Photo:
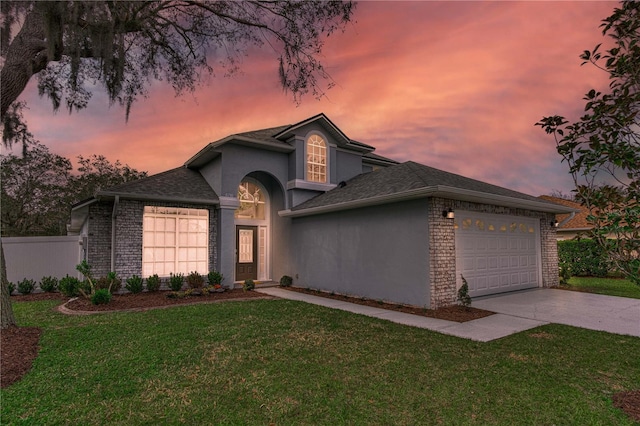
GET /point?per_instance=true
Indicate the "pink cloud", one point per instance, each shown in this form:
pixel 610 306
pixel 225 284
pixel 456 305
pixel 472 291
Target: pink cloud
pixel 454 85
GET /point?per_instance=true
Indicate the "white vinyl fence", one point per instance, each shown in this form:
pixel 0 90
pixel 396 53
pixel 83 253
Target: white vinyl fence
pixel 37 257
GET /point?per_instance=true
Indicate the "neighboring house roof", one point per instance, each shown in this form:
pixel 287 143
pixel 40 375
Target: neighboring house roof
pixel 178 185
pixel 576 221
pixel 412 180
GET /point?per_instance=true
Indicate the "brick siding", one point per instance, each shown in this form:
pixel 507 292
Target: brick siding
pixel 128 241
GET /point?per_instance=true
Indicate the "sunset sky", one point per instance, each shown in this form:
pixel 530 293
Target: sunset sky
pixel 453 85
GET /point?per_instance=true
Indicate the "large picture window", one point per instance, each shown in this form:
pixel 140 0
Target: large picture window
pixel 316 159
pixel 175 240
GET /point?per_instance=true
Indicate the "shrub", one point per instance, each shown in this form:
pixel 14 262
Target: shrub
pixel 69 286
pixel 111 282
pixel 11 287
pixel 248 285
pixel 583 258
pixel 175 281
pixel 565 274
pixel 215 278
pixel 49 284
pixel 286 281
pixel 463 293
pixel 26 286
pixel 101 297
pixel 195 280
pixel 134 284
pixel 153 283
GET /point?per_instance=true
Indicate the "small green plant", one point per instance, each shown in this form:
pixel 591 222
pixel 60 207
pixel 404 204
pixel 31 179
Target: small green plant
pixel 135 284
pixel 248 285
pixel 153 283
pixel 565 274
pixel 26 286
pixel 215 278
pixel 11 287
pixel 286 281
pixel 175 281
pixel 69 286
pixel 101 297
pixel 463 293
pixel 195 280
pixel 49 284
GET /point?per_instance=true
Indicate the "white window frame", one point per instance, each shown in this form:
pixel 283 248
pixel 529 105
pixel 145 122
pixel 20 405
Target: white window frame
pixel 311 158
pixel 187 250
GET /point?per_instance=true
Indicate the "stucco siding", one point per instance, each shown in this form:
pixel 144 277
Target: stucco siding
pixel 379 252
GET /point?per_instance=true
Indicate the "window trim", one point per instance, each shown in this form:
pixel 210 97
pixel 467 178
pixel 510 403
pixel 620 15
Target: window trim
pixel 176 213
pixel 326 164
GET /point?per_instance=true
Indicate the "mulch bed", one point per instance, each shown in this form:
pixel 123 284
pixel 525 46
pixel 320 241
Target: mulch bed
pixel 452 313
pixel 629 402
pixel 157 299
pixel 18 349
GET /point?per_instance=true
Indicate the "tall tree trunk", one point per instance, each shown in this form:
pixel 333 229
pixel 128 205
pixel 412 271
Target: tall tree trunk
pixel 26 56
pixel 7 319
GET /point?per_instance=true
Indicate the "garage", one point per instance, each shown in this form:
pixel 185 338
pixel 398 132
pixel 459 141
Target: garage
pixel 497 253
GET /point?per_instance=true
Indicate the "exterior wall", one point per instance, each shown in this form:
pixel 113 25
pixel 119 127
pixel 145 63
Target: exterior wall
pixel 442 246
pixel 99 241
pixel 37 257
pixel 128 241
pixel 442 255
pixel 378 252
pixel 349 165
pixel 225 175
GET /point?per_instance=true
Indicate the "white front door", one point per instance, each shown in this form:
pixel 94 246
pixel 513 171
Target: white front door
pixel 497 253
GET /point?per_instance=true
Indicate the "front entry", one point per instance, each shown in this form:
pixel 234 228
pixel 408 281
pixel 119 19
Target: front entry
pixel 247 253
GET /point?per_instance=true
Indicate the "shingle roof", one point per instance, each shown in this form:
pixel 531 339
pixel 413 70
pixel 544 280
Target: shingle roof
pixel 405 177
pixel 177 184
pixel 265 135
pixel 579 221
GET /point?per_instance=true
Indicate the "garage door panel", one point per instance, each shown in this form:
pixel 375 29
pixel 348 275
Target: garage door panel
pixel 497 253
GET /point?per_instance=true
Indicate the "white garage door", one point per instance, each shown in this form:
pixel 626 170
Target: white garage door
pixel 497 253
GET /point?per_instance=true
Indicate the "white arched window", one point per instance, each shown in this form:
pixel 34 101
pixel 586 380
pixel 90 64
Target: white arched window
pixel 316 159
pixel 252 201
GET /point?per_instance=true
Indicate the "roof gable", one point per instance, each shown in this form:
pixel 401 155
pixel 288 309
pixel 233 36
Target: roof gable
pixel 179 185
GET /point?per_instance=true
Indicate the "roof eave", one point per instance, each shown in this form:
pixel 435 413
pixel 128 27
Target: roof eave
pixel 432 191
pixel 211 151
pixel 109 195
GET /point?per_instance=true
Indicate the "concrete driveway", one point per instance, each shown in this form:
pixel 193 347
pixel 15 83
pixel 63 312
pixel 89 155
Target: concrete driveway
pixel 618 315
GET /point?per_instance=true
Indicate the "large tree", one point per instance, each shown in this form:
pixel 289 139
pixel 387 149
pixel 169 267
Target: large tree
pixel 38 188
pixel 602 148
pixel 72 46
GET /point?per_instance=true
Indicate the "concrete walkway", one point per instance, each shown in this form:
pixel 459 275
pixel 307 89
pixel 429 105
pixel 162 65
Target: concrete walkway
pixel 515 312
pixel 482 330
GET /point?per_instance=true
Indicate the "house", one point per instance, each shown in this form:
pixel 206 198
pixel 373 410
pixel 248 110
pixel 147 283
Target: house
pixel 570 225
pixel 307 201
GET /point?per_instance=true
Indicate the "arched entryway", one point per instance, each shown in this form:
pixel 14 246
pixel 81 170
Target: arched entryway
pixel 252 222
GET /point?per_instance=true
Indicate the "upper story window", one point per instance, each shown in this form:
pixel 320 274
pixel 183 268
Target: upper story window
pixel 316 159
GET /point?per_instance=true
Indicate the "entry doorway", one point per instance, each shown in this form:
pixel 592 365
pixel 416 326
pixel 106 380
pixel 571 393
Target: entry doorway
pixel 247 252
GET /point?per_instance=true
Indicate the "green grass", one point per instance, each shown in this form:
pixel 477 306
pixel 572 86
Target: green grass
pixel 290 363
pixel 608 286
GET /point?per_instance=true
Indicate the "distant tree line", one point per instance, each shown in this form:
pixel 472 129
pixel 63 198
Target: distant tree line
pixel 39 188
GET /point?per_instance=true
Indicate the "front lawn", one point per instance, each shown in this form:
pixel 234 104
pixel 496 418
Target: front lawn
pixel 290 363
pixel 608 286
